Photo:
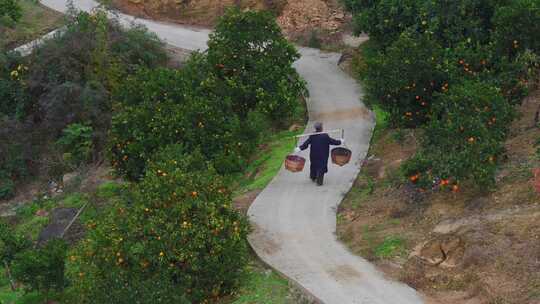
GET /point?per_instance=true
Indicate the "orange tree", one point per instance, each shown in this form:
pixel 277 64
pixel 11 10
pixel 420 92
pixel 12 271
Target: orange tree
pixel 162 106
pixel 516 27
pixel 176 228
pixel 449 21
pixel 383 20
pixel 403 78
pixel 425 55
pixel 253 62
pixel 221 100
pixel 464 139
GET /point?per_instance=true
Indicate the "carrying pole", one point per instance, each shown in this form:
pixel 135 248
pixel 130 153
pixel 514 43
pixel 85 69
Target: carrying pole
pixel 327 132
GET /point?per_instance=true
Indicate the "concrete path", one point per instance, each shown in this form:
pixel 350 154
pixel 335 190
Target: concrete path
pixel 294 221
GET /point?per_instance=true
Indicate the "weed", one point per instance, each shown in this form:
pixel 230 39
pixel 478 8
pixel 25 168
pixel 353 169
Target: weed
pixel 392 246
pixel 314 41
pixel 108 190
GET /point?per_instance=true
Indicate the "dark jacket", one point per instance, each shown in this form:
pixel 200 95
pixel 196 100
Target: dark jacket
pixel 320 150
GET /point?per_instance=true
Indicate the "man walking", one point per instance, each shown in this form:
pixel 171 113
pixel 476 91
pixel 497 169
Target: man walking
pixel 318 155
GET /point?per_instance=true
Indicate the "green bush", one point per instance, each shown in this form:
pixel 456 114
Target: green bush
pixel 7 186
pixel 177 224
pixel 403 79
pixel 10 9
pixel 66 80
pixel 13 94
pixel 12 168
pixel 11 243
pixel 253 62
pixel 465 139
pixel 42 269
pixel 76 143
pixel 538 148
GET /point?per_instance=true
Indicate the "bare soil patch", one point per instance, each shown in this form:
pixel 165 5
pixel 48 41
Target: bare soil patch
pixel 470 247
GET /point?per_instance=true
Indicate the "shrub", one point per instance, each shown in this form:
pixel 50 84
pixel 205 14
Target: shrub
pixel 464 139
pixel 177 224
pixel 66 80
pixel 7 186
pixel 12 168
pixel 11 244
pixel 253 62
pixel 538 148
pixel 76 143
pixel 10 9
pixel 42 269
pixel 314 40
pixel 403 79
pixel 13 94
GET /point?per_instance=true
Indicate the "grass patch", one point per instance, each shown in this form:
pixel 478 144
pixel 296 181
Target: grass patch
pixel 108 190
pixel 381 122
pixel 360 193
pixel 263 169
pixel 36 21
pixel 392 246
pixel 262 286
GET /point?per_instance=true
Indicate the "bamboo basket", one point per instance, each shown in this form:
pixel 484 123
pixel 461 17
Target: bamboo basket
pixel 341 156
pixel 294 163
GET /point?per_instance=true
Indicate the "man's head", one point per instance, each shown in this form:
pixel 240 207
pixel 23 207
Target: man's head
pixel 318 127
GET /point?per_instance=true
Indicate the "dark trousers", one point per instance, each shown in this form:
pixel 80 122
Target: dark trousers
pixel 317 176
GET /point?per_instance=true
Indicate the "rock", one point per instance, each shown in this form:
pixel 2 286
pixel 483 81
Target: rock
pixel 354 41
pixel 339 17
pixel 454 249
pixel 430 252
pixel 445 251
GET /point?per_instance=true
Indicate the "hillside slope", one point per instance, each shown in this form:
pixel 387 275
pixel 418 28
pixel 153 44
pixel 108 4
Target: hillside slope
pixel 459 247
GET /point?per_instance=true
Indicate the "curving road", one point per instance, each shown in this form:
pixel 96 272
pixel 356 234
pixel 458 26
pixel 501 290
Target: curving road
pixel 295 221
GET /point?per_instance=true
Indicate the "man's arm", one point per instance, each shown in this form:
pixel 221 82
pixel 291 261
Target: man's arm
pixel 306 144
pixel 334 142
